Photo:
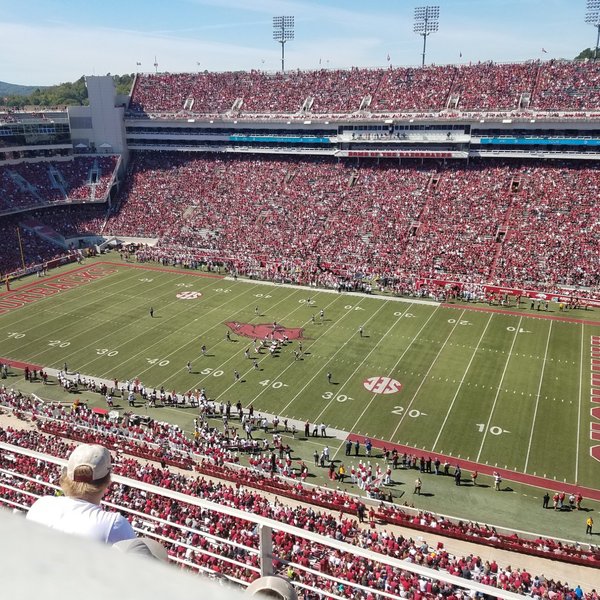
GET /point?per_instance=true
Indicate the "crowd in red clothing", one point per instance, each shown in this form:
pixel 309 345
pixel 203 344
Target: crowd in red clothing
pixel 481 87
pixel 36 250
pixel 32 184
pixel 199 535
pixel 322 222
pixel 214 453
pixel 319 221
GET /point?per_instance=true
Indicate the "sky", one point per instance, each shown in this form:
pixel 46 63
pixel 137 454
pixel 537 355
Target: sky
pixel 45 42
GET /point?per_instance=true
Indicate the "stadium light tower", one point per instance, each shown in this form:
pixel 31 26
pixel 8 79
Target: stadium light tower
pixel 427 22
pixel 592 15
pixel 283 31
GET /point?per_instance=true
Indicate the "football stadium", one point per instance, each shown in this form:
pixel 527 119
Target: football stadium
pixel 337 325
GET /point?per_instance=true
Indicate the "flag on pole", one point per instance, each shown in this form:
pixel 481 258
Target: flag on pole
pixel 544 51
pixel 388 57
pixel 460 55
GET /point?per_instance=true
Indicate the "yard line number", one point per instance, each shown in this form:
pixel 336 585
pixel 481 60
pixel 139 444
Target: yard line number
pixel 59 343
pixel 213 372
pixel 159 362
pixel 338 397
pixel 276 385
pixel 413 413
pixel 494 429
pixel 106 352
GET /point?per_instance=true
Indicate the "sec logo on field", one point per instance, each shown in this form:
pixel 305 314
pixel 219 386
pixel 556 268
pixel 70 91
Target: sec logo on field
pixel 382 385
pixel 189 295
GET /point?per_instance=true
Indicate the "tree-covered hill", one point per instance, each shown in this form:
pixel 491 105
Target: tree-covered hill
pixel 64 94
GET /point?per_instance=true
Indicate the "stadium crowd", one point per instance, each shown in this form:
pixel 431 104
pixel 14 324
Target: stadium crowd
pixel 319 221
pixel 322 222
pixel 36 250
pixel 216 454
pixel 33 184
pixel 482 87
pixel 199 535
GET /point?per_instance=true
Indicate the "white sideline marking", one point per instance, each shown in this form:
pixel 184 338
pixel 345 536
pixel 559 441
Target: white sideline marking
pixel 579 408
pixel 342 294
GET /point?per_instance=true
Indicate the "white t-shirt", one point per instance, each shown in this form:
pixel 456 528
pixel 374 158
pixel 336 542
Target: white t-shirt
pixel 81 518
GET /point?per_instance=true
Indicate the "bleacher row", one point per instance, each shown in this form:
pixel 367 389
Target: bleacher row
pixel 28 185
pixel 214 454
pixel 203 538
pixel 320 220
pixel 483 87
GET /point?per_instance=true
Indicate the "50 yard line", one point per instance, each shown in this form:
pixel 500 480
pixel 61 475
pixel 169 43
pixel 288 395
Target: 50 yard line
pixel 537 398
pixel 487 426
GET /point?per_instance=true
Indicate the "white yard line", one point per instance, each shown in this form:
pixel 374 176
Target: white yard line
pixel 261 357
pixel 579 408
pixel 487 427
pixel 83 293
pixel 537 399
pixel 246 309
pixel 309 381
pixel 85 332
pixel 163 309
pixel 407 408
pixel 391 371
pixel 185 326
pixel 460 384
pixel 362 362
pixel 94 343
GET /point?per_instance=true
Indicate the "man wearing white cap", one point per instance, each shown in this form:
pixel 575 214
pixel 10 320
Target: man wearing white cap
pixel 84 481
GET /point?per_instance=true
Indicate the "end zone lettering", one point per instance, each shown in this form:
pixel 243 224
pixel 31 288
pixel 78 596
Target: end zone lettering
pixel 51 286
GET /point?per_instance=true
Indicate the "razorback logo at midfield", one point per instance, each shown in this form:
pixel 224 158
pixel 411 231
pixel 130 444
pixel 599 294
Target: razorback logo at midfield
pixel 262 330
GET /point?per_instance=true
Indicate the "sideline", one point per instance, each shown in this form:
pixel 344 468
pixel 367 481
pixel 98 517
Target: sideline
pixel 343 436
pixel 514 313
pixel 318 290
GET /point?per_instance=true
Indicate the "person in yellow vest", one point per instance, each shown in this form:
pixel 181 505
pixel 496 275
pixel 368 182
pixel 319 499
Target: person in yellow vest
pixel 588 525
pixel 341 473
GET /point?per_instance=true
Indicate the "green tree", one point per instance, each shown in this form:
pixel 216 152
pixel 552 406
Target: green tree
pixel 64 94
pixel 587 53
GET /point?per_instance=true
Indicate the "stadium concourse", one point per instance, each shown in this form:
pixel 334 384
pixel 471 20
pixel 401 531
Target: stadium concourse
pixel 491 566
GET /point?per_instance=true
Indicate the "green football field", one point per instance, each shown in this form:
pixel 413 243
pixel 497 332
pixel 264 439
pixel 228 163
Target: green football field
pixel 504 389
